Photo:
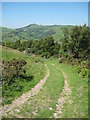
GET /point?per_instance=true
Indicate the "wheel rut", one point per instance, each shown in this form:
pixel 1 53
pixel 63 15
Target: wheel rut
pixel 24 97
pixel 64 96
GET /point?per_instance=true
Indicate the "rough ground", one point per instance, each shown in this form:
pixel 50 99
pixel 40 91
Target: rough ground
pixel 64 96
pixel 21 100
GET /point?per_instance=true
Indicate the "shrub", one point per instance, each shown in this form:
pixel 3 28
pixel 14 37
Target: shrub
pixel 84 72
pixel 84 64
pixel 46 55
pixel 79 69
pixel 12 69
pixel 61 60
pixel 38 60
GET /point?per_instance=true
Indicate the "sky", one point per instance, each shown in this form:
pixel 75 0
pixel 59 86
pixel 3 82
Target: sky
pixel 45 0
pixel 89 14
pixel 19 14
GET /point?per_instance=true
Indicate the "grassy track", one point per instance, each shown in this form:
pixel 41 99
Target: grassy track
pixel 78 108
pixel 47 97
pixel 43 105
pixel 54 86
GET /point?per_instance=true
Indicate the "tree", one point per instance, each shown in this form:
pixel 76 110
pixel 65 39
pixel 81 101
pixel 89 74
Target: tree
pixel 85 41
pixel 65 42
pixel 75 38
pixel 79 44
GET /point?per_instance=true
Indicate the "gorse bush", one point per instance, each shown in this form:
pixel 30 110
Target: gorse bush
pixel 12 73
pixel 12 70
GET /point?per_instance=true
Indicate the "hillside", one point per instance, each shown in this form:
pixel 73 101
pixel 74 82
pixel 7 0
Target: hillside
pixel 55 91
pixel 33 32
pixel 33 75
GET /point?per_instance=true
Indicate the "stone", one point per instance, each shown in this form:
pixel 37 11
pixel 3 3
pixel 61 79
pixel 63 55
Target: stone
pixel 50 108
pixel 55 115
pixel 17 110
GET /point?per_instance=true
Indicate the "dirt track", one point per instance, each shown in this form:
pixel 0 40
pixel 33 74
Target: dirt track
pixel 21 100
pixel 63 97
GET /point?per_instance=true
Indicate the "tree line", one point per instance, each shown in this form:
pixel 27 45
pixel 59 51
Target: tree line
pixel 74 44
pixel 44 47
pixel 77 43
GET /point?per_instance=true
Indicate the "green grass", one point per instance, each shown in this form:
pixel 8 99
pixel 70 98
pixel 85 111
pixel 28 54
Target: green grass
pixel 37 70
pixel 0 91
pixel 51 90
pixel 47 97
pixel 54 86
pixel 34 32
pixel 79 96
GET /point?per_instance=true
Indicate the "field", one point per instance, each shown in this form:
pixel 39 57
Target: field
pixel 45 103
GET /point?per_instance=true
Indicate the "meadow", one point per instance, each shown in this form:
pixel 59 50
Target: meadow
pixel 44 103
pixel 45 78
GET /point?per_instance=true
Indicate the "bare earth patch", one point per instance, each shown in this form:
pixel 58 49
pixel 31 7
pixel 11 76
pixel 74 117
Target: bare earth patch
pixel 64 96
pixel 21 100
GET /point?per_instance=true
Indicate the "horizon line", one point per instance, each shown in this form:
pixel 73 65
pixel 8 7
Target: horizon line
pixel 43 25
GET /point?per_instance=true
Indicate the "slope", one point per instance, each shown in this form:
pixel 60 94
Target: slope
pixel 35 68
pixel 33 32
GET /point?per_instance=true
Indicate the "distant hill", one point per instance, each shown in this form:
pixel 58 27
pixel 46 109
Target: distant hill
pixel 34 32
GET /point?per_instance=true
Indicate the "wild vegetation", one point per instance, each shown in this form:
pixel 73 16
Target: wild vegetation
pixel 33 32
pixel 43 105
pixel 24 66
pixel 74 48
pixel 18 73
